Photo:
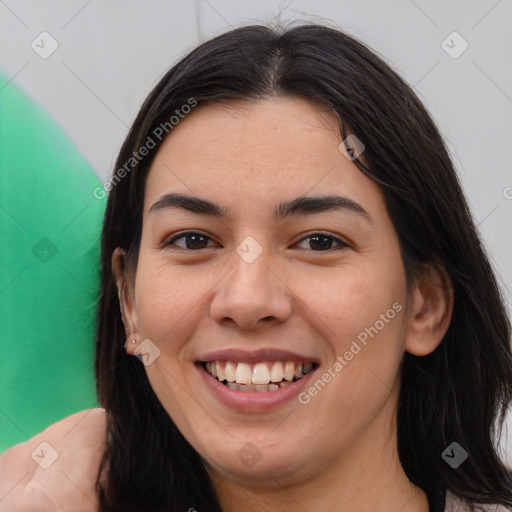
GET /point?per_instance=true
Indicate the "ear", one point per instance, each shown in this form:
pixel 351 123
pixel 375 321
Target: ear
pixel 125 292
pixel 430 311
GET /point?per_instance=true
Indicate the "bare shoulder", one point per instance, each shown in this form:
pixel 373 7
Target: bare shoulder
pixel 55 470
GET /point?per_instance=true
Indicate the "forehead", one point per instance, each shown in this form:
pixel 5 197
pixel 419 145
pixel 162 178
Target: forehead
pixel 256 151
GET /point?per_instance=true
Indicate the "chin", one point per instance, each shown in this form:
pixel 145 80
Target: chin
pixel 249 462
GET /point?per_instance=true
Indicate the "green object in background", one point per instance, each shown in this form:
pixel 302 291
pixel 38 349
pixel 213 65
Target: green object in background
pixel 50 225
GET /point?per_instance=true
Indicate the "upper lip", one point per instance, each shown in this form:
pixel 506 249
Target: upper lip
pixel 255 356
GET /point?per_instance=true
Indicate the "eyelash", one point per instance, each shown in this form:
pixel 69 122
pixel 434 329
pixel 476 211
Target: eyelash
pixel 184 234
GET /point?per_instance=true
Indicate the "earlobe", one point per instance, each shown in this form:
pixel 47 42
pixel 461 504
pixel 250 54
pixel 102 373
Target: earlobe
pixel 130 346
pixel 430 312
pixel 126 302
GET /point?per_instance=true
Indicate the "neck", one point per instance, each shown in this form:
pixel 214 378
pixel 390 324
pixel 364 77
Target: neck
pixel 368 476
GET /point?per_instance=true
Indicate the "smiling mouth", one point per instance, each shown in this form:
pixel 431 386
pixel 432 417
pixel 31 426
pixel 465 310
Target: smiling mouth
pixel 260 377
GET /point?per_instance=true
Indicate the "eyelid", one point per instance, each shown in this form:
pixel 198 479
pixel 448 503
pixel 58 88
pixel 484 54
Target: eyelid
pixel 182 234
pixel 342 244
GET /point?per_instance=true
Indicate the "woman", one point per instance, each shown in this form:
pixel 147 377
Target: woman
pixel 296 309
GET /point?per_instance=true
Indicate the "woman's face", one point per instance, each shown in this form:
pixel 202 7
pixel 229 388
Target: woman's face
pixel 271 283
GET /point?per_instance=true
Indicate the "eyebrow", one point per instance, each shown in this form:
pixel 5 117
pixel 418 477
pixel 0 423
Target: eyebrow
pixel 303 205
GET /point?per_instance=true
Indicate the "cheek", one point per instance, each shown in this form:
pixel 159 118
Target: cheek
pixel 172 301
pixel 360 313
pixel 350 299
pixel 165 300
pixel 362 317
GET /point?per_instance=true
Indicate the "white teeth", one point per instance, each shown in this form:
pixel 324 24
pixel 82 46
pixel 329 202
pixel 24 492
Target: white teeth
pixel 229 371
pixel 260 374
pixel 289 371
pixel 276 372
pixel 220 372
pixel 243 374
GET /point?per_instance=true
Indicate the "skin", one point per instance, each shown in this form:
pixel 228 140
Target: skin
pixel 68 482
pixel 337 452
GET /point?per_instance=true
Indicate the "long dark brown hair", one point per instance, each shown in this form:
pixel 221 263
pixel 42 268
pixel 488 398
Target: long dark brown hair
pixel 460 392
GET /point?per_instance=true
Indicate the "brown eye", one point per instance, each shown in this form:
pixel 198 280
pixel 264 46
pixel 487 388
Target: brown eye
pixel 193 240
pixel 322 242
pixel 318 242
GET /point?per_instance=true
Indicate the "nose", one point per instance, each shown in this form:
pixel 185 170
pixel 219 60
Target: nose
pixel 252 294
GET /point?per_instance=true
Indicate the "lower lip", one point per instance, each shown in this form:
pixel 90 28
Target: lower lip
pixel 254 401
